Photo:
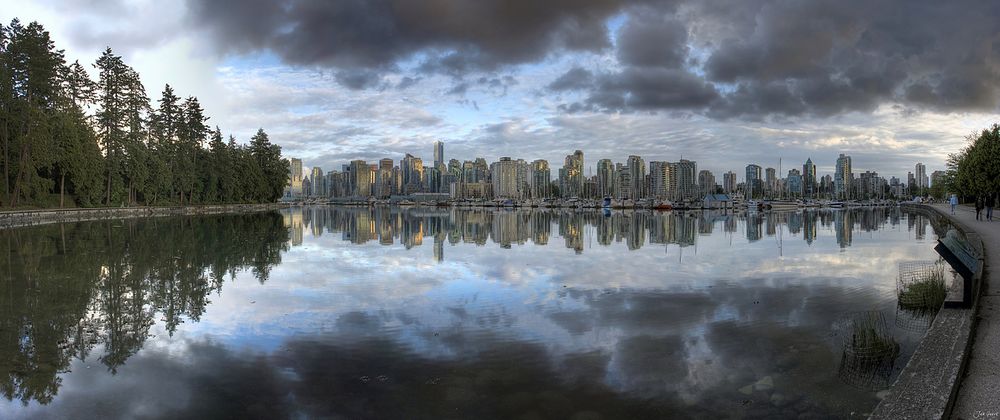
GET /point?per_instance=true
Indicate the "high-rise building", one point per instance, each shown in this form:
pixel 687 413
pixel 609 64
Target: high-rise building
pixel 686 174
pixel 413 174
pixel 295 177
pixel 637 178
pixel 753 181
pixel 921 175
pixel 360 178
pixel 438 153
pixel 793 183
pixel 936 177
pixel 842 177
pixel 571 175
pixel 660 181
pixel 505 179
pixel 729 182
pixel 770 180
pixel 606 178
pixel 317 183
pixel 540 179
pixel 809 178
pixel 706 181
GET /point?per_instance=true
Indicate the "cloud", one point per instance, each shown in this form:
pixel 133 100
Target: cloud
pixel 451 35
pixel 753 60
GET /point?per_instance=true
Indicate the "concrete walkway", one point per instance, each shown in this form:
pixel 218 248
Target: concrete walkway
pixel 979 392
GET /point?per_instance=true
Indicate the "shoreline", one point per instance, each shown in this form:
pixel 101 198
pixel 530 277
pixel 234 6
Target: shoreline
pixel 24 218
pixel 928 385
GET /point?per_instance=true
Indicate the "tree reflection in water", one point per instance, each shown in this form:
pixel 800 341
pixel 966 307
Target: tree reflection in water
pixel 68 289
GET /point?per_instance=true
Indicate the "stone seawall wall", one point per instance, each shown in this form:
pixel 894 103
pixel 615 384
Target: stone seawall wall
pixel 13 219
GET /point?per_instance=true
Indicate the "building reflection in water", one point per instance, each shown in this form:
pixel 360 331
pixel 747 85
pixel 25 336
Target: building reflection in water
pixel 580 229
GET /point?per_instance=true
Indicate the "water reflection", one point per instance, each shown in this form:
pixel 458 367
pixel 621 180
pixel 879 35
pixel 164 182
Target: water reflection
pixel 68 289
pixel 344 312
pixel 411 226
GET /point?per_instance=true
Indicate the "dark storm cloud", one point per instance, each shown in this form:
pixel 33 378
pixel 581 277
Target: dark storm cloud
pixel 650 88
pixel 749 59
pixel 454 36
pixel 830 57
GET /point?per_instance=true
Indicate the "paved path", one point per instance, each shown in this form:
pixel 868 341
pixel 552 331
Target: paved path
pixel 979 392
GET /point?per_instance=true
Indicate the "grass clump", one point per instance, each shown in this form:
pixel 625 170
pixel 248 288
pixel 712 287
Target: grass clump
pixel 927 293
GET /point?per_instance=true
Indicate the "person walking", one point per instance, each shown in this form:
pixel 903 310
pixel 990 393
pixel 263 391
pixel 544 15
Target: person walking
pixel 979 206
pixel 991 200
pixel 954 202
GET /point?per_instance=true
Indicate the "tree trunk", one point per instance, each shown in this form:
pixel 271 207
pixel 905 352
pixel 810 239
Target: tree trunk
pixel 6 165
pixel 107 201
pixel 62 189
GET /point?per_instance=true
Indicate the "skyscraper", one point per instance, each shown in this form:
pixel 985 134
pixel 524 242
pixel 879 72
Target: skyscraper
pixel 295 177
pixel 770 179
pixel 540 179
pixel 753 181
pixel 637 178
pixel 505 179
pixel 921 175
pixel 660 182
pixel 842 177
pixel 316 180
pixel 438 153
pixel 706 181
pixel 794 183
pixel 686 175
pixel 606 178
pixel 808 178
pixel 571 175
pixel 729 182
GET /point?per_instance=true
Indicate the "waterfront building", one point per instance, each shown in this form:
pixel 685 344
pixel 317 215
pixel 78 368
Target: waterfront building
pixel 660 180
pixel 360 179
pixel 842 177
pixel 685 172
pixel 482 170
pixel 770 180
pixel 936 177
pixel 793 183
pixel 729 182
pixel 540 179
pixel 413 174
pixel 826 185
pixel 571 175
pixel 754 183
pixel 706 182
pixel 505 179
pixel 317 183
pixel 606 178
pixel 637 178
pixel 295 177
pixel 920 173
pixel 438 153
pixel 809 178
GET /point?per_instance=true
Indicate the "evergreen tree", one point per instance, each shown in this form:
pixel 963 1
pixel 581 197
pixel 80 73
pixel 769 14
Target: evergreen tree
pixel 65 135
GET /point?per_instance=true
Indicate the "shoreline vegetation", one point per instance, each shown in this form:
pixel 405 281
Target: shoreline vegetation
pixel 67 140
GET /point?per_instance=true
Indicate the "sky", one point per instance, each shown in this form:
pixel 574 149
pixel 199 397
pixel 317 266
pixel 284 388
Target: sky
pixel 724 83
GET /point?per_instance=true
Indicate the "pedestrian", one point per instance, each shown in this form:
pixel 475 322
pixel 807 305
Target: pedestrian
pixel 954 202
pixel 991 200
pixel 979 206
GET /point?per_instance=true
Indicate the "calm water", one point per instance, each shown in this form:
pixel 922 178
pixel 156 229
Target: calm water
pixel 440 313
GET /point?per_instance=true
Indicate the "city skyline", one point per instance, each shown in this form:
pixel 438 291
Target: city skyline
pixel 710 84
pixel 517 178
